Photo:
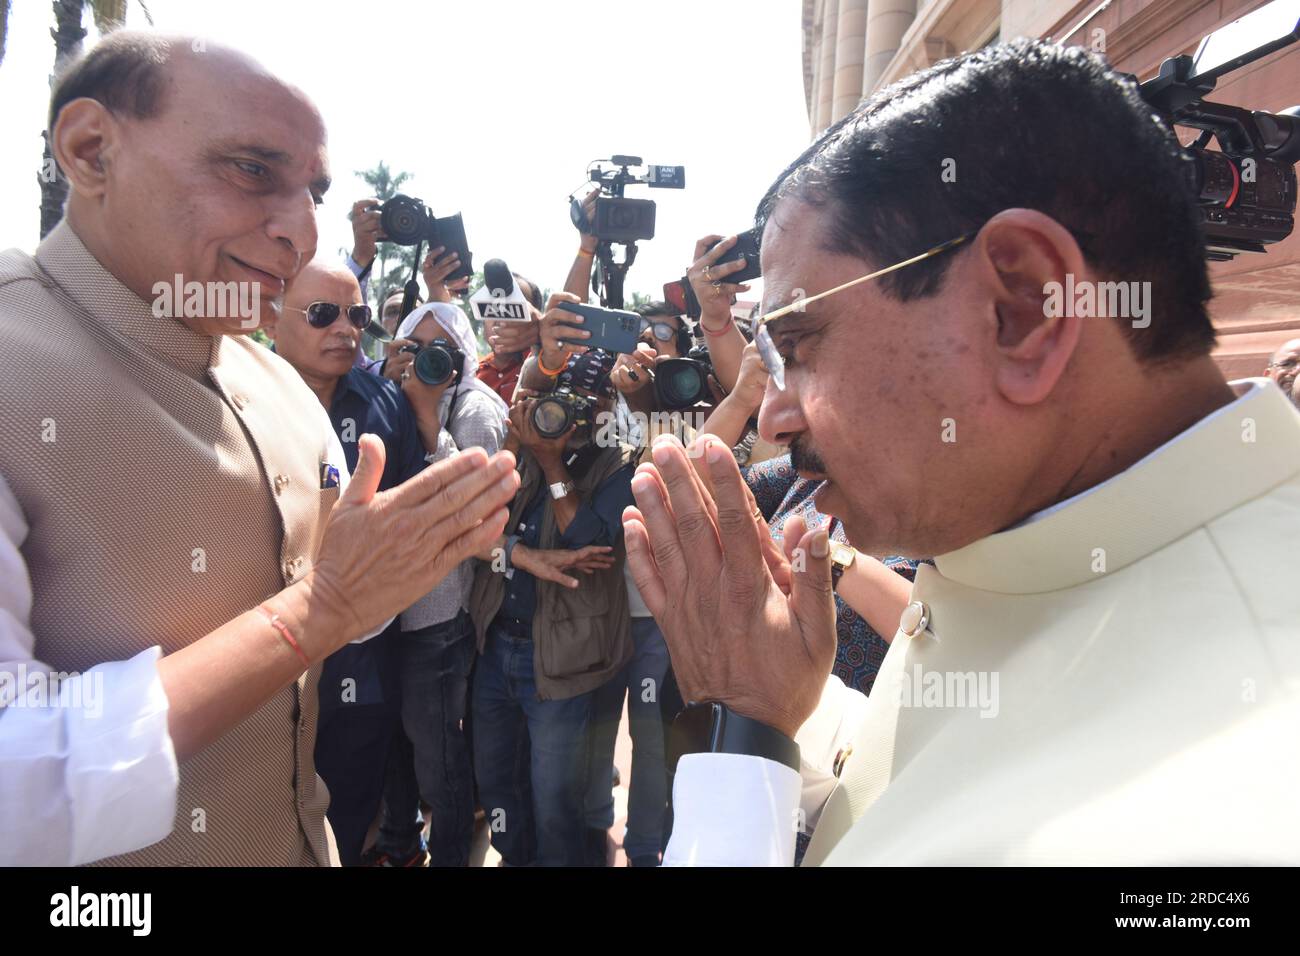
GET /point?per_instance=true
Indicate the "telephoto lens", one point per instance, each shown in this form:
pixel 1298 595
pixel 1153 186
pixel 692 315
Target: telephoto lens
pixel 681 383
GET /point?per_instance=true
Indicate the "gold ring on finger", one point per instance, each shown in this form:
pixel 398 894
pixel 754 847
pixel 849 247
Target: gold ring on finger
pixel 707 276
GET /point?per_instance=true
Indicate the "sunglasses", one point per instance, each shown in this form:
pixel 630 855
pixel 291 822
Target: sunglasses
pixel 321 315
pixel 767 349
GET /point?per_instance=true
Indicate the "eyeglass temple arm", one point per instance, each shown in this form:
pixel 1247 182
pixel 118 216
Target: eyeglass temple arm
pixel 800 304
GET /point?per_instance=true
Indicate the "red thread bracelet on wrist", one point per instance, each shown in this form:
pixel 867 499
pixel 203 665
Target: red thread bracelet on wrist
pixel 283 629
pixel 709 331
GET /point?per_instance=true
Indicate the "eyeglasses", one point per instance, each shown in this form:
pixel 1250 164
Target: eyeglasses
pixel 321 315
pixel 663 331
pixel 767 350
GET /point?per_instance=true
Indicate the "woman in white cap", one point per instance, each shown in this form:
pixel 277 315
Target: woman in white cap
pixel 430 761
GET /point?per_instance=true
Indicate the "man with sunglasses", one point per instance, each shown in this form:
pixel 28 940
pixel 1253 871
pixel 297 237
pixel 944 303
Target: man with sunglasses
pixel 318 334
pixel 1104 655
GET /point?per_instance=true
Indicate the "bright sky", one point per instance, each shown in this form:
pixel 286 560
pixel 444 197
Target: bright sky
pixel 495 106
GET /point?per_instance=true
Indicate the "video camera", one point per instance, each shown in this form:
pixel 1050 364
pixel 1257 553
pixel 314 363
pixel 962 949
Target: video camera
pixel 619 219
pixel 1247 189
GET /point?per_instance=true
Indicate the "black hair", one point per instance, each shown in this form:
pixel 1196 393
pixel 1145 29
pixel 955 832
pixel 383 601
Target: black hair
pixel 536 296
pixel 657 309
pixel 125 72
pixel 1024 124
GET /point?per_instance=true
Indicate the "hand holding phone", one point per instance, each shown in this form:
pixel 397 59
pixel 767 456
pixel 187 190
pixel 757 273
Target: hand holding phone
pixel 613 330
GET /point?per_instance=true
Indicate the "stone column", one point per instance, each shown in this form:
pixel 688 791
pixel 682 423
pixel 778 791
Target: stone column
pixel 887 21
pixel 826 75
pixel 850 53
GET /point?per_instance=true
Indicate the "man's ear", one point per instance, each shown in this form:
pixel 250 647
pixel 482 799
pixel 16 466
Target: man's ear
pixel 1021 253
pixel 84 140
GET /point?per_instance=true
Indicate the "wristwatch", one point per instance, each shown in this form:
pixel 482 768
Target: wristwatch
pixel 712 728
pixel 561 489
pixel 842 556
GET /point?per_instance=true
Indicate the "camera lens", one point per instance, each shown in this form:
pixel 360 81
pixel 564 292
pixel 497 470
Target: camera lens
pixel 433 365
pixel 551 417
pixel 680 383
pixel 403 220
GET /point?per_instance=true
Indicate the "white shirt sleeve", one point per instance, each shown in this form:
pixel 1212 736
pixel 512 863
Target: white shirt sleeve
pixel 737 810
pixel 87 770
pixel 733 810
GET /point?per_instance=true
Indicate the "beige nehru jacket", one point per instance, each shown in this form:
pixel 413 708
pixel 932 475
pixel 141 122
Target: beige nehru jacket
pixel 181 487
pixel 1145 643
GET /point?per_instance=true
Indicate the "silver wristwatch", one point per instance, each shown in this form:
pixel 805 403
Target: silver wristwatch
pixel 561 489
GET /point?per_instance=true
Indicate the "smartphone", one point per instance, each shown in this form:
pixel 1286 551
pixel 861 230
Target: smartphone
pixel 681 297
pixel 451 235
pixel 746 248
pixel 611 329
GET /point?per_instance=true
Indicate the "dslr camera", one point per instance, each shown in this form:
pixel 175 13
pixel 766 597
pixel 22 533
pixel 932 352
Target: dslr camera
pixel 408 222
pixel 619 219
pixel 682 383
pixel 579 388
pixel 436 362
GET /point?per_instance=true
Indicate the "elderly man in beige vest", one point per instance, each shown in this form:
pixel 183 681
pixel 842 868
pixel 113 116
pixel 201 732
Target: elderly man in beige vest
pixel 1103 665
pixel 179 542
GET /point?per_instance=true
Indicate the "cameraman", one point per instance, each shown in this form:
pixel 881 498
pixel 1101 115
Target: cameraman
pixel 390 315
pixel 642 680
pixel 435 649
pixel 546 648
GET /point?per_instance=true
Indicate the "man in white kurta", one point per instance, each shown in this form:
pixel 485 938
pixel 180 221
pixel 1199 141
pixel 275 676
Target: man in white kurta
pixel 1103 664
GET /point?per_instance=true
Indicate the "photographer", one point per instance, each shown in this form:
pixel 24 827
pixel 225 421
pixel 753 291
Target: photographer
pixel 435 647
pixel 545 648
pixel 390 315
pixel 435 269
pixel 642 681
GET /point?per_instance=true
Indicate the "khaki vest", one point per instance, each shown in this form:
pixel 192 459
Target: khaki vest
pixel 583 637
pixel 171 482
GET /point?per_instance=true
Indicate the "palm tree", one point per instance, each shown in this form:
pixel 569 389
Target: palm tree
pixel 4 27
pixel 68 33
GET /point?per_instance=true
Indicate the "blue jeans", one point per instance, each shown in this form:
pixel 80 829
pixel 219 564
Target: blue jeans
pixel 430 758
pixel 642 680
pixel 529 758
